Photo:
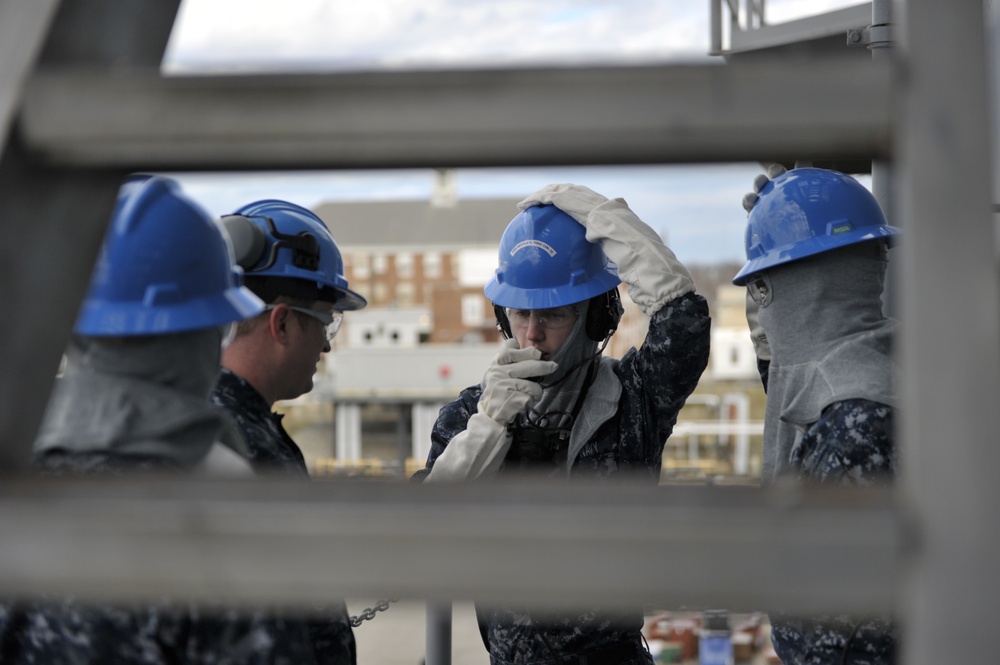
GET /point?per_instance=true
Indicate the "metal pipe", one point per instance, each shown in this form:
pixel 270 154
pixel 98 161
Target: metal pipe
pixel 740 403
pixel 881 170
pixel 438 633
pixel 715 27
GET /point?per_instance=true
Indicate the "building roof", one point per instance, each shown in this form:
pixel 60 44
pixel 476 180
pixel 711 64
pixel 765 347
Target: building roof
pixel 419 223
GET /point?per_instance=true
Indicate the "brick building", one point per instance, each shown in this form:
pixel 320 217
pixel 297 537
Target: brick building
pixel 429 257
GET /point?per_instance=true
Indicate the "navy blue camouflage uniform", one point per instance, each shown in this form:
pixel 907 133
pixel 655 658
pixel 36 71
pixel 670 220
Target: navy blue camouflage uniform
pixel 824 345
pixel 850 445
pixel 66 632
pixel 656 380
pixel 271 450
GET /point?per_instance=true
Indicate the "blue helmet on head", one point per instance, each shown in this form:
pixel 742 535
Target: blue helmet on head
pixel 546 261
pixel 165 267
pixel 278 239
pixel 807 211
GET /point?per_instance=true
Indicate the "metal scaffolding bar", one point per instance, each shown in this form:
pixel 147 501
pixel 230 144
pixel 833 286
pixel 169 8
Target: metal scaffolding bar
pixel 951 333
pixel 534 544
pixel 476 118
pixel 928 550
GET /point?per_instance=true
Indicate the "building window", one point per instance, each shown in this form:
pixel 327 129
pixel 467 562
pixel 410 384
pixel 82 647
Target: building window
pixel 404 294
pixel 472 310
pixel 404 265
pixel 380 263
pixel 432 265
pixel 359 266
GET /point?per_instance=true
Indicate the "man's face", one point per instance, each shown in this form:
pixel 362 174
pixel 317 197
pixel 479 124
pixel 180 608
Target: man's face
pixel 312 330
pixel 544 329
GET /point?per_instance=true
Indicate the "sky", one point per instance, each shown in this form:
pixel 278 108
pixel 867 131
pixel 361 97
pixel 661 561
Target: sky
pixel 696 208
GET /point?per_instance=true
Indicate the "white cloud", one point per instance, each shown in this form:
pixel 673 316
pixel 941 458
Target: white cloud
pixel 339 34
pixel 245 35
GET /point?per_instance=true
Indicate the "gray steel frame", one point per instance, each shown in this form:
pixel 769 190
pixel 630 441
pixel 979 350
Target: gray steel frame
pixel 928 549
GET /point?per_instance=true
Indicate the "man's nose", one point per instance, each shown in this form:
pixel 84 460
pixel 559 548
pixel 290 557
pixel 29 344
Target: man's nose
pixel 535 328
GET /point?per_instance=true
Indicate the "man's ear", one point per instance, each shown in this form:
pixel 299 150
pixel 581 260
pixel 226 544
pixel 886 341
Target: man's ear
pixel 277 323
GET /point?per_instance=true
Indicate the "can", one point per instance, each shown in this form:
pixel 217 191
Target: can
pixel 715 645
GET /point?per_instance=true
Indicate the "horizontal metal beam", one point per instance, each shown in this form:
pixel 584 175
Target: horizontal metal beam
pixel 760 111
pixel 830 24
pixel 543 545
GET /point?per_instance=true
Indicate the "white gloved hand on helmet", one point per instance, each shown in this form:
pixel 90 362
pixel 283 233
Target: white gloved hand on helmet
pixel 774 169
pixel 750 198
pixel 508 390
pixel 652 272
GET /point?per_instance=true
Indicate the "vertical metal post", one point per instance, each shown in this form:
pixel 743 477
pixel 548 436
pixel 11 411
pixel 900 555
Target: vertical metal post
pixel 715 27
pixel 438 633
pixel 950 341
pixel 348 432
pixel 57 215
pixel 881 170
pixel 738 405
pixel 880 50
pixel 403 433
pixel 57 220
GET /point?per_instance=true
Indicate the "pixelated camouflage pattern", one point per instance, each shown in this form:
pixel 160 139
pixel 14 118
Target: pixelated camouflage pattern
pixel 62 631
pixel 656 380
pixel 69 633
pixel 833 640
pixel 850 445
pixel 271 449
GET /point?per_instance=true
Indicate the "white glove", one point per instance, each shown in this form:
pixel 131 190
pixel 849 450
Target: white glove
pixel 507 390
pixel 773 171
pixel 479 450
pixel 750 198
pixel 652 272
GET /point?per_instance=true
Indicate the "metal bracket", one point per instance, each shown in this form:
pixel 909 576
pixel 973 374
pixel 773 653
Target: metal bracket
pixel 874 36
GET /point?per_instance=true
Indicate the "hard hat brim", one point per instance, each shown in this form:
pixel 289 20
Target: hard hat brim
pixel 506 295
pixel 104 319
pixel 798 251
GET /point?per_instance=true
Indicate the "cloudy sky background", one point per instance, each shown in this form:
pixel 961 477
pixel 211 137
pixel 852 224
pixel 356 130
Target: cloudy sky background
pixel 696 208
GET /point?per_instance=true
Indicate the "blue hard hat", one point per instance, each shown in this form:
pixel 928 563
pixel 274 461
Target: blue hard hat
pixel 546 261
pixel 807 211
pixel 165 267
pixel 279 239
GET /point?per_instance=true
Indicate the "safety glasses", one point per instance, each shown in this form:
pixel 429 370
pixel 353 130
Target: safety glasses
pixel 329 320
pixel 549 319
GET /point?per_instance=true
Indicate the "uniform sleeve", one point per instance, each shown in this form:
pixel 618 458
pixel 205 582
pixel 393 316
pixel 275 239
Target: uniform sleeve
pixel 851 444
pixel 668 366
pixel 452 419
